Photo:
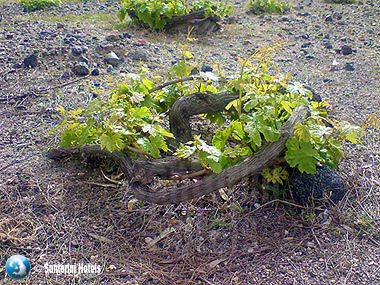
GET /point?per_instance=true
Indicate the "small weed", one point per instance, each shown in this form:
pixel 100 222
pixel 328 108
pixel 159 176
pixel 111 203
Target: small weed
pixel 33 5
pixel 5 2
pixel 341 1
pixel 238 208
pixel 310 215
pixel 291 212
pixel 98 17
pixel 218 222
pixel 363 223
pixel 268 6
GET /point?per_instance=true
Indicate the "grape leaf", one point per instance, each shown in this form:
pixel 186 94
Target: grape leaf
pixel 215 166
pixel 180 68
pixel 302 154
pixel 249 105
pixel 269 132
pixel 217 118
pixel 160 23
pixel 141 112
pixel 185 151
pixel 288 106
pixel 111 142
pixel 253 133
pixel 238 131
pixel 220 138
pixel 302 132
pixel 87 132
pixel 352 133
pixel 159 142
pixel 68 138
pixel 76 112
pixel 155 144
pixel 188 54
pixel 163 131
pixel 149 84
pixel 211 89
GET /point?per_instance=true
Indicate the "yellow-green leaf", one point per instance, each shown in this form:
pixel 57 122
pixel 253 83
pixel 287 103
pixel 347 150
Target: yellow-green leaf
pixel 111 142
pixel 188 54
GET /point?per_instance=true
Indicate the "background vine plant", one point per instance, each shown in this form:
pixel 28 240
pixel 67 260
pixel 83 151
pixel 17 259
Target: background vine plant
pixel 155 13
pixel 268 6
pixel 33 5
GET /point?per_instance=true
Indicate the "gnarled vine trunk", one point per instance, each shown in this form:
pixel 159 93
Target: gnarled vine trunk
pixel 195 104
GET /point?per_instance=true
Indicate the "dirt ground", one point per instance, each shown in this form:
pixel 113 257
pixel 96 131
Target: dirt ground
pixel 68 213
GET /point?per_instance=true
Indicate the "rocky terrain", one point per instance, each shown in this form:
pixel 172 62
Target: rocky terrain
pixel 69 213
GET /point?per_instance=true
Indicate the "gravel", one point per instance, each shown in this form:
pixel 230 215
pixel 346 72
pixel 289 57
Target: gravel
pixel 66 214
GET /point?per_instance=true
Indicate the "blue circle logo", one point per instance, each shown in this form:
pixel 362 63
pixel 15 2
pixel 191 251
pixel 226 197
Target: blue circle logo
pixel 18 266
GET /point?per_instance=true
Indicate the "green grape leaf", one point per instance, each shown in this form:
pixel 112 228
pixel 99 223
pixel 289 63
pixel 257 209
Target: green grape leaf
pixel 269 132
pixel 350 132
pixel 146 17
pixel 302 131
pixel 68 138
pixel 220 138
pixel 141 112
pixel 237 151
pixel 188 54
pixel 149 84
pixel 238 131
pixel 157 143
pixel 233 103
pixel 335 147
pixel 87 132
pixel 162 131
pixel 185 151
pixel 330 157
pixel 61 109
pixel 302 154
pixel 202 156
pixel 253 133
pixel 331 153
pixel 226 161
pixel 152 145
pixel 250 104
pixel 180 69
pixel 211 89
pixel 289 106
pixel 215 166
pixel 121 14
pixel 111 142
pixel 76 112
pixel 217 118
pixel 160 23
